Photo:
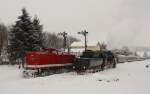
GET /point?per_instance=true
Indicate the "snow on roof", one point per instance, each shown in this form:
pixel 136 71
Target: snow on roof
pixel 77 50
pixel 77 44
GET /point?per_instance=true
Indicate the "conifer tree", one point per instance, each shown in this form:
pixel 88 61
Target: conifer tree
pixel 25 35
pixel 19 35
pixel 37 36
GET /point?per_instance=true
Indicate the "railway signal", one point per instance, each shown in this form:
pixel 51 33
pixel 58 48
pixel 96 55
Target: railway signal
pixel 84 33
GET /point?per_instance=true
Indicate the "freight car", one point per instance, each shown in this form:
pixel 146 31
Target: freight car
pixel 91 61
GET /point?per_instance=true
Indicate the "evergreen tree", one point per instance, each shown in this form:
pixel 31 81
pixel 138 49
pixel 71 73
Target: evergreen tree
pixel 19 35
pixel 3 36
pixel 36 38
pixel 25 36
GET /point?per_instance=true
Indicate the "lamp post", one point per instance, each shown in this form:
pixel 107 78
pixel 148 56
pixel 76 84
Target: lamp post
pixel 84 33
pixel 64 35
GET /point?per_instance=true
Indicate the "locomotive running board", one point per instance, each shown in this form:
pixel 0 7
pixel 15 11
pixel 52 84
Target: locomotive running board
pixel 48 65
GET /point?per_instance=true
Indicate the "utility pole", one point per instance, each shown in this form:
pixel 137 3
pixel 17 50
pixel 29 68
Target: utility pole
pixel 84 33
pixel 64 35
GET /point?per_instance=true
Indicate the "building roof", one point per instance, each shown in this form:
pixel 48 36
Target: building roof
pixel 81 44
pixel 77 44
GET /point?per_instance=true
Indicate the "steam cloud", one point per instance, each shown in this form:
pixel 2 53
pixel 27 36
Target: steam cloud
pixel 131 24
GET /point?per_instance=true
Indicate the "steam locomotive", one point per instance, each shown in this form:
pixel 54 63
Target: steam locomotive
pixel 52 61
pixel 94 61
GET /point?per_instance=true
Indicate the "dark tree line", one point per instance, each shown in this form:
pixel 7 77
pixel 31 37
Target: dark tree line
pixel 3 36
pixel 53 40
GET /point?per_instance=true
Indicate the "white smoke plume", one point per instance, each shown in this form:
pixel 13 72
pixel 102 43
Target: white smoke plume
pixel 131 24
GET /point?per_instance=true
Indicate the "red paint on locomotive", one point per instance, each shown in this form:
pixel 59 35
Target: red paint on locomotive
pixel 48 58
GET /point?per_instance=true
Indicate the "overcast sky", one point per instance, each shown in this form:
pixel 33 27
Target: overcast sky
pixel 118 22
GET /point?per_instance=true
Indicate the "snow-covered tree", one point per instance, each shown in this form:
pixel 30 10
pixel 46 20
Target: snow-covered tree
pixel 3 36
pixel 25 36
pixel 19 36
pixel 52 40
pixel 35 38
pixel 103 46
pixel 125 50
pixel 72 39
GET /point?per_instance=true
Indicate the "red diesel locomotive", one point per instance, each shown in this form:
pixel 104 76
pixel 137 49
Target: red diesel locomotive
pixel 47 61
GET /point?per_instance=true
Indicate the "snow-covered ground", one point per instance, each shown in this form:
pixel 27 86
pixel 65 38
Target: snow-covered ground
pixel 127 78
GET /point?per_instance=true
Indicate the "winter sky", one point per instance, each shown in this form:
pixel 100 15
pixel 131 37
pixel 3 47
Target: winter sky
pixel 119 22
